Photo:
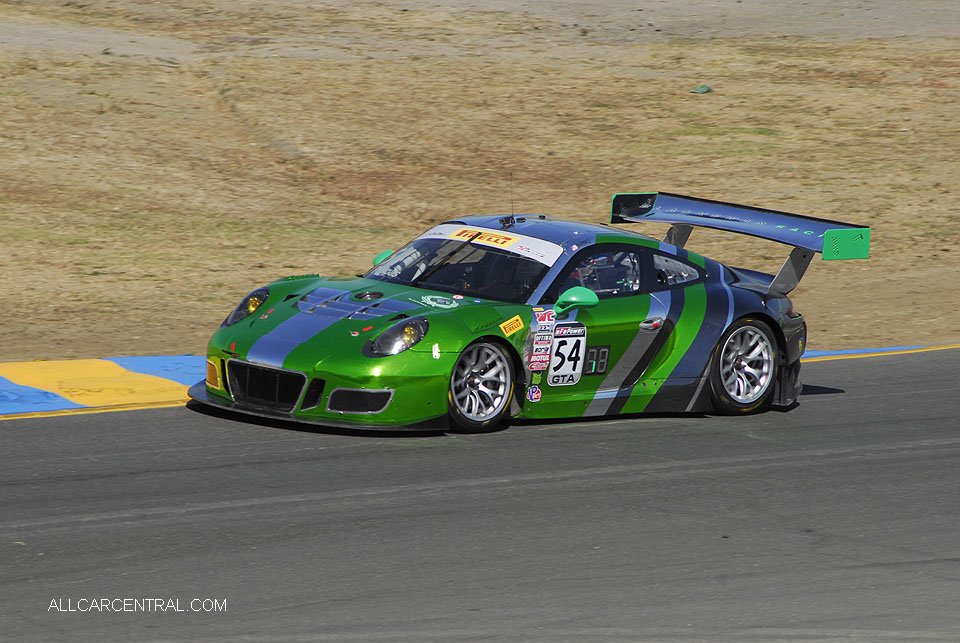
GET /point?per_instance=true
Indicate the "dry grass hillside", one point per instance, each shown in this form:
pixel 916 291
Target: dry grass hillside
pixel 158 161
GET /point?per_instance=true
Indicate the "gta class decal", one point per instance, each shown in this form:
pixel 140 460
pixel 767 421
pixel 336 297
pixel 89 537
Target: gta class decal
pixel 568 352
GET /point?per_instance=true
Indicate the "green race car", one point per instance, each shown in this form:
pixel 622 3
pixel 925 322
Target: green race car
pixel 485 318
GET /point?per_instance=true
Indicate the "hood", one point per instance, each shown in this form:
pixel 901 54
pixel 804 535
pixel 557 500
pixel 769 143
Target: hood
pixel 309 307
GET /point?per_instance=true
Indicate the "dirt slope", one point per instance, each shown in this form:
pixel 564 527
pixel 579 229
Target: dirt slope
pixel 158 161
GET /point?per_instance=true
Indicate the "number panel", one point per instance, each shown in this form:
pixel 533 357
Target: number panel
pixel 567 354
pixel 598 357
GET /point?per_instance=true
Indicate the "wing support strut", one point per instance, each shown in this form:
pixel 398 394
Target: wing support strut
pixel 678 234
pixel 791 272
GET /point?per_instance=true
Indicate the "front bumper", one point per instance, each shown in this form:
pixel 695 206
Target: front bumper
pixel 199 393
pixel 404 390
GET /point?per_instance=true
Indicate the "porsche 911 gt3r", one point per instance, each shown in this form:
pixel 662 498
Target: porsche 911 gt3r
pixel 485 318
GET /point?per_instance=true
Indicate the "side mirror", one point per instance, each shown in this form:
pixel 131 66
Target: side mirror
pixel 576 297
pixel 383 256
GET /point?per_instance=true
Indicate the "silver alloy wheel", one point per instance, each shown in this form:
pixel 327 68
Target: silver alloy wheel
pixel 746 364
pixel 480 383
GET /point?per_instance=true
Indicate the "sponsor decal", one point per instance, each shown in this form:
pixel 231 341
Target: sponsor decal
pixel 530 251
pixel 546 316
pixel 436 351
pixel 512 325
pixel 264 315
pixel 567 353
pixel 533 393
pixel 485 237
pixel 435 301
pixel 354 333
pixel 458 297
pixel 535 378
pixel 539 250
pixel 541 328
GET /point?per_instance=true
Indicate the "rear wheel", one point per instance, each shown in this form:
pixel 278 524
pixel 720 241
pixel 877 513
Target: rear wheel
pixel 481 387
pixel 743 371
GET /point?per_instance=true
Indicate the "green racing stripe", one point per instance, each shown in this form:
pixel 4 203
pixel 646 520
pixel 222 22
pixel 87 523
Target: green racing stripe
pixel 688 326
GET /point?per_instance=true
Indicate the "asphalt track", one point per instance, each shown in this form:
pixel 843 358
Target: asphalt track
pixel 837 520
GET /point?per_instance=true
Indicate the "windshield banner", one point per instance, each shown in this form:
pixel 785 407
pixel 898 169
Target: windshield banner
pixel 545 252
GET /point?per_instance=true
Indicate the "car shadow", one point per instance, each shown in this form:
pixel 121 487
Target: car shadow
pixel 810 389
pixel 602 418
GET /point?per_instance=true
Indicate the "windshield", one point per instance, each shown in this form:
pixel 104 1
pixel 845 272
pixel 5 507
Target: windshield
pixel 462 268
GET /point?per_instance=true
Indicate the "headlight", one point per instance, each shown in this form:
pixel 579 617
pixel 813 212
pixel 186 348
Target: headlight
pixel 246 308
pixel 400 336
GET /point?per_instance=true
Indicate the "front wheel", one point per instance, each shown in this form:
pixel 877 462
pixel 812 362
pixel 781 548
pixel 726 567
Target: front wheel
pixel 481 387
pixel 743 371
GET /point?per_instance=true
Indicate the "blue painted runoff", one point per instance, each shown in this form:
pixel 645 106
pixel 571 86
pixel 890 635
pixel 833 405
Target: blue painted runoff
pixel 15 398
pixel 183 369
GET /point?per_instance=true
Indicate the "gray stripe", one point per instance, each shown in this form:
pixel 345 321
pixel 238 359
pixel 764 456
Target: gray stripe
pixel 615 376
pixel 696 395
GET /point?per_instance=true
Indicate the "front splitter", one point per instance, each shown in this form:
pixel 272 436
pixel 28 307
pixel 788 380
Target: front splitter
pixel 198 392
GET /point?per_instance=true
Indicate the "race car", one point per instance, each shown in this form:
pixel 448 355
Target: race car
pixel 486 318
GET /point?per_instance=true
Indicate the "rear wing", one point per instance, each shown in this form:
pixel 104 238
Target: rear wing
pixel 807 235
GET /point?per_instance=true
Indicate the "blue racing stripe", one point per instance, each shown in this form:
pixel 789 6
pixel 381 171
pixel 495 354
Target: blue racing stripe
pixel 273 348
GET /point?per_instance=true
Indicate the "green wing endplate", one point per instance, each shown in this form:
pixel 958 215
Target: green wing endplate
pixel 846 243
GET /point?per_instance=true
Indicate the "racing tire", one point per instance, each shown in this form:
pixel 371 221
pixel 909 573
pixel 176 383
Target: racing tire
pixel 744 368
pixel 481 388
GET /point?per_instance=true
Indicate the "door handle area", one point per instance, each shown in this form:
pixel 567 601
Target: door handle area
pixel 653 323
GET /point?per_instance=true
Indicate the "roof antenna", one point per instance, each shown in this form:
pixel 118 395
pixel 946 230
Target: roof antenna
pixel 509 222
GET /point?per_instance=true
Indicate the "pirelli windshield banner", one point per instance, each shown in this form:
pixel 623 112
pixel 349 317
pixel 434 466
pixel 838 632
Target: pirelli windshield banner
pixel 545 252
